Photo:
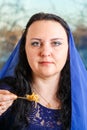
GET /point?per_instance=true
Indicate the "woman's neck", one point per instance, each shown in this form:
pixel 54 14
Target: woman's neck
pixel 47 87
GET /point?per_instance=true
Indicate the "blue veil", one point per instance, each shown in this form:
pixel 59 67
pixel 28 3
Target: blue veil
pixel 78 83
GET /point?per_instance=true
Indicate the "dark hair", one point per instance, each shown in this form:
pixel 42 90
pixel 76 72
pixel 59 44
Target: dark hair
pixel 24 79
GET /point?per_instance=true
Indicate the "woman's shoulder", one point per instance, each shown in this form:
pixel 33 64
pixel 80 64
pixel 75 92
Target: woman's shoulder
pixel 7 83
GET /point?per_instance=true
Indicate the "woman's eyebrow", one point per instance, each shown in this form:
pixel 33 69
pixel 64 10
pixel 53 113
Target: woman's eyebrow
pixel 56 39
pixel 36 39
pixel 39 39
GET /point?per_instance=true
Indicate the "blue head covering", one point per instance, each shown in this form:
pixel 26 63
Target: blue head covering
pixel 8 68
pixel 78 89
pixel 78 83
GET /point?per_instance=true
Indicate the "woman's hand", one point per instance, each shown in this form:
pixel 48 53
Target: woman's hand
pixel 6 100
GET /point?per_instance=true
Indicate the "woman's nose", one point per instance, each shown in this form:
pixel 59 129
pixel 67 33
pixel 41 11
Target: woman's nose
pixel 46 50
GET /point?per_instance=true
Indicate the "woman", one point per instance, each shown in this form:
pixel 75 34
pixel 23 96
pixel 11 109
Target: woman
pixel 44 63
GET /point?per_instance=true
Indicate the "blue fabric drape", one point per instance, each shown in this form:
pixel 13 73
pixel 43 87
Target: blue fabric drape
pixel 9 67
pixel 78 83
pixel 79 89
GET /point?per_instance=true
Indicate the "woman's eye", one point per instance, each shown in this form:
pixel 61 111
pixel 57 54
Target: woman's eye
pixel 35 44
pixel 56 43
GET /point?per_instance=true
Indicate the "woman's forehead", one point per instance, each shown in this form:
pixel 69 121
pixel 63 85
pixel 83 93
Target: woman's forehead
pixel 47 28
pixel 46 23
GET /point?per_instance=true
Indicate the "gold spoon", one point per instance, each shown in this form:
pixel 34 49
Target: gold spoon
pixel 32 97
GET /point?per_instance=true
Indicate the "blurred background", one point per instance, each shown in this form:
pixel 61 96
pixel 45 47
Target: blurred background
pixel 14 15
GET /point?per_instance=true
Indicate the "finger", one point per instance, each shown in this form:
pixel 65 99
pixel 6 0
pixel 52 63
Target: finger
pixel 8 102
pixel 4 91
pixel 6 97
pixel 2 111
pixel 5 106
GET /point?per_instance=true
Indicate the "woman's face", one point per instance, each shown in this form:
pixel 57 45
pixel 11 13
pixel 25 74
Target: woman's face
pixel 46 48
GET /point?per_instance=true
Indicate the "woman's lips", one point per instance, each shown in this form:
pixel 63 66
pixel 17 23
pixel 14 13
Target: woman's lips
pixel 45 62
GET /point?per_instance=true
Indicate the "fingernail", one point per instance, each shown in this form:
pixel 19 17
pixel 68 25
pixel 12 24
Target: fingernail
pixel 15 96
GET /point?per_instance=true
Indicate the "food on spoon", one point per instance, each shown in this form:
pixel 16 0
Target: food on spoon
pixel 32 97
